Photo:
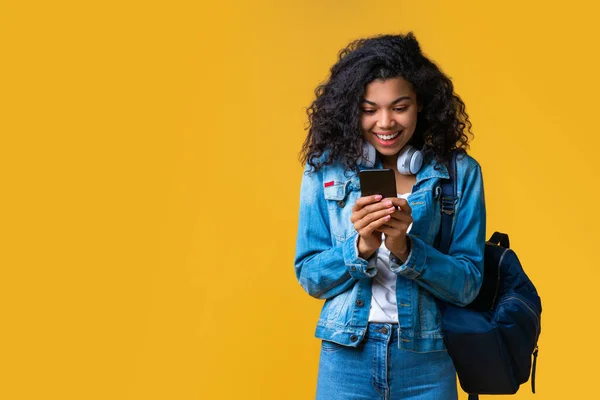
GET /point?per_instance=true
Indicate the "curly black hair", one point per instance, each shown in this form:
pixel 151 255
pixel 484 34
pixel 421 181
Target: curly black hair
pixel 334 116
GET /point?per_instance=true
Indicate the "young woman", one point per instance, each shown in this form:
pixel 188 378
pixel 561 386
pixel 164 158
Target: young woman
pixel 373 260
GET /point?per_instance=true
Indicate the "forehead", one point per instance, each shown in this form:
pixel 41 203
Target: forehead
pixel 389 89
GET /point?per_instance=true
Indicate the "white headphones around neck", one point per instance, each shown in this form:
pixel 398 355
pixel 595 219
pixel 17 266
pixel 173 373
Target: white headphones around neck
pixel 410 159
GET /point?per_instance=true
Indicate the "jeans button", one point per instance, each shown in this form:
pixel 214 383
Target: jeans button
pixel 360 303
pixel 354 338
pixel 384 330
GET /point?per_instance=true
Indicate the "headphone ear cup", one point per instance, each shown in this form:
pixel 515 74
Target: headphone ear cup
pixel 410 160
pixel 369 155
pixel 416 162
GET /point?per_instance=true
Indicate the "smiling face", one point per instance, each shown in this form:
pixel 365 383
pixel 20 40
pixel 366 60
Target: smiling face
pixel 389 116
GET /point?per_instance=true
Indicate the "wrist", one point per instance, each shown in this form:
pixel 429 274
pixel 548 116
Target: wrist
pixel 364 251
pixel 403 255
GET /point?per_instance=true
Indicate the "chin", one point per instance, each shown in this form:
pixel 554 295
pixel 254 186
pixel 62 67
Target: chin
pixel 387 151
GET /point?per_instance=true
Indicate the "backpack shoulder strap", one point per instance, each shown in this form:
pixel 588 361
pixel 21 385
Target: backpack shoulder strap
pixel 448 199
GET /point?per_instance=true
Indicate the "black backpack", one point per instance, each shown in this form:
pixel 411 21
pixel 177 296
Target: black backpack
pixel 491 340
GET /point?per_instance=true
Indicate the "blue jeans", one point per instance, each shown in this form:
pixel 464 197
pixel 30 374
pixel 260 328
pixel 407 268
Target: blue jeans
pixel 377 369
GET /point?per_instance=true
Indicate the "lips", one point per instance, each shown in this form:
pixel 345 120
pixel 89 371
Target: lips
pixel 387 138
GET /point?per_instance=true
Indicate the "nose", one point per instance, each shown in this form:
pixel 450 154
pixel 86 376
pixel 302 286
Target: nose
pixel 385 121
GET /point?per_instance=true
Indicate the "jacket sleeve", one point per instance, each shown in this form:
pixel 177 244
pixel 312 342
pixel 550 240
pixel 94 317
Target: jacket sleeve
pixel 455 277
pixel 325 269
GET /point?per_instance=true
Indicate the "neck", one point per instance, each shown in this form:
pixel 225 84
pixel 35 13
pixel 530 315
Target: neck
pixel 389 161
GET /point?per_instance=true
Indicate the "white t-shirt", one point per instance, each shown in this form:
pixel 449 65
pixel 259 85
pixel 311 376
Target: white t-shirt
pixel 383 286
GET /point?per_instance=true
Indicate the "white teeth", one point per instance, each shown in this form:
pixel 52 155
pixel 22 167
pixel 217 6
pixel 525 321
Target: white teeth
pixel 388 137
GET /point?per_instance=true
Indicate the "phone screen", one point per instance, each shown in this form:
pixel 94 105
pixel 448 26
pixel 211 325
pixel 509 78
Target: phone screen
pixel 378 181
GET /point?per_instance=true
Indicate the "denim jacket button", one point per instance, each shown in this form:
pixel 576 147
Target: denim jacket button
pixel 359 303
pixel 341 203
pixel 354 338
pixel 353 268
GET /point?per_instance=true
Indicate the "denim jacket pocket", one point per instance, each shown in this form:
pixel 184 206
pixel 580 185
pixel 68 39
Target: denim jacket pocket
pixel 336 306
pixel 420 204
pixel 335 192
pixel 340 200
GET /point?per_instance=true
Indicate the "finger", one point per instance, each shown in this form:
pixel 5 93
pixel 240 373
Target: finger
pixel 403 217
pixel 363 201
pixel 394 227
pixel 375 225
pixel 360 223
pixel 389 231
pixel 401 203
pixel 381 205
pixel 394 224
pixel 369 209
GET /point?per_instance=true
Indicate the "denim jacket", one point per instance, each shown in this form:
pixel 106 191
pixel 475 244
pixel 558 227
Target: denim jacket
pixel 328 266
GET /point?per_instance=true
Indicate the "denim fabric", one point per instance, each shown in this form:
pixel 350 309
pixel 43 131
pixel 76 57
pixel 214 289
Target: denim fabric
pixel 328 266
pixel 377 369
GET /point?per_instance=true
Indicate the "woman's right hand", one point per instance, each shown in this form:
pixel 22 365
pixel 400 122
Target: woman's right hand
pixel 368 214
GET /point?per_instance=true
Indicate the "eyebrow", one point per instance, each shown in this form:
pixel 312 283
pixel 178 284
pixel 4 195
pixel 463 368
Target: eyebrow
pixel 393 102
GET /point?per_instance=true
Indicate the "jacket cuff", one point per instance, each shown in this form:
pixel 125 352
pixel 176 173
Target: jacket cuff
pixel 415 262
pixel 358 267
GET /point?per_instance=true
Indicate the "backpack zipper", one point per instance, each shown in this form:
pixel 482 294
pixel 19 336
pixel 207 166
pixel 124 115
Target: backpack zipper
pixel 537 334
pixel 529 308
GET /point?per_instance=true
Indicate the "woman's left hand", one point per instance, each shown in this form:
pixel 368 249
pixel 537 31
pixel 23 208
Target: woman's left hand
pixel 395 229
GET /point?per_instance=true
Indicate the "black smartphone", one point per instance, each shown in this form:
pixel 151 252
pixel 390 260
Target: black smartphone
pixel 378 181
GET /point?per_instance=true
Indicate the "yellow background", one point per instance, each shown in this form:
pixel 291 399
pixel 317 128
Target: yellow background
pixel 150 184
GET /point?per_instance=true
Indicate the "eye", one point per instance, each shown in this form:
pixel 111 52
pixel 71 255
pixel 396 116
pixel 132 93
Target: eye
pixel 369 112
pixel 400 109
